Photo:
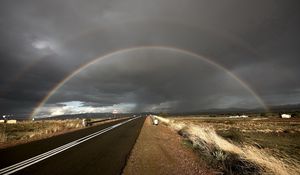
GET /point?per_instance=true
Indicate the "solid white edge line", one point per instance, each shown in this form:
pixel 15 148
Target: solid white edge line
pixel 67 146
pixel 21 165
pixel 48 152
pixel 55 150
pixel 43 158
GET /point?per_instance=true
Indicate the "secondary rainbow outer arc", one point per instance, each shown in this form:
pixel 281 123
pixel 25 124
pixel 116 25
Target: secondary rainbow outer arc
pixel 166 48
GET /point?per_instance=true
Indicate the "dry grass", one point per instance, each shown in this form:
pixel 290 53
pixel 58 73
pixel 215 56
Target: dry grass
pixel 235 157
pixel 24 131
pixel 3 137
pixel 27 131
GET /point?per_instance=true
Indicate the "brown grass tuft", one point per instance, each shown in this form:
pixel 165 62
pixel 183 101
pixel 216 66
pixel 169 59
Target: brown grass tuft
pixel 24 131
pixel 233 158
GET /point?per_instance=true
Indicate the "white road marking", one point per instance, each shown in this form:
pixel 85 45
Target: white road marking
pixel 26 163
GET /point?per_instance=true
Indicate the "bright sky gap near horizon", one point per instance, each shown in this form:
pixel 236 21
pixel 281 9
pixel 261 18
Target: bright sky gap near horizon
pixel 44 42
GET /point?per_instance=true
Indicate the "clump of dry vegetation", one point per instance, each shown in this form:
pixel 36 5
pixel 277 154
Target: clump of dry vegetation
pixel 24 131
pixel 225 146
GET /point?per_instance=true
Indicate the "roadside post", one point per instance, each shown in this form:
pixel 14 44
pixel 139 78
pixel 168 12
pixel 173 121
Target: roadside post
pixel 115 112
pixel 155 121
pixel 84 123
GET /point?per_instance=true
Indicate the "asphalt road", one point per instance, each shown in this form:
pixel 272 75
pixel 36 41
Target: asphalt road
pixel 99 149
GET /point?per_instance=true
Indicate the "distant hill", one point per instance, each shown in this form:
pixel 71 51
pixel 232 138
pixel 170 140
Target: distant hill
pixel 290 108
pixel 74 116
pixel 278 109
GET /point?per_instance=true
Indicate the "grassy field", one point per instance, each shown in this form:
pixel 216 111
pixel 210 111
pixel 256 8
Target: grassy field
pixel 258 145
pixel 27 131
pixel 281 136
pixel 24 131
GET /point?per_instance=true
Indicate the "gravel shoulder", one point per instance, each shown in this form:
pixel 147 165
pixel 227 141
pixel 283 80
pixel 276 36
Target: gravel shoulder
pixel 159 150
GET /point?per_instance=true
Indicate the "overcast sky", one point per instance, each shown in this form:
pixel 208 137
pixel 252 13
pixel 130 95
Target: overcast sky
pixel 44 41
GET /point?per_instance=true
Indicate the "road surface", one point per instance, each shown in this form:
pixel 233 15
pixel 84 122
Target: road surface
pixel 100 149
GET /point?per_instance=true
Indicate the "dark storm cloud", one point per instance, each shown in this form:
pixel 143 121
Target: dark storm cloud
pixel 42 42
pixel 184 83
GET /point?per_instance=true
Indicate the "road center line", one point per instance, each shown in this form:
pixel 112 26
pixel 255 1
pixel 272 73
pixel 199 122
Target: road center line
pixel 26 163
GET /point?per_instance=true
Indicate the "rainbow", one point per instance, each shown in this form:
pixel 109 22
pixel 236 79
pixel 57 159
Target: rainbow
pixel 131 49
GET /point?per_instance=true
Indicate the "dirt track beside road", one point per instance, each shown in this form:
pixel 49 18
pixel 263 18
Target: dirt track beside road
pixel 159 150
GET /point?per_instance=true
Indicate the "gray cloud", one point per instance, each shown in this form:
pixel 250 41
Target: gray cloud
pixel 42 42
pixel 151 78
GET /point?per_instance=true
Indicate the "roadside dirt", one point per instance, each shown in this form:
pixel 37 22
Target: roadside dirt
pixel 159 151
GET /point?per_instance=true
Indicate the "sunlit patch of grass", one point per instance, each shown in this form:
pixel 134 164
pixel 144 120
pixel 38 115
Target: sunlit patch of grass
pixel 3 137
pixel 28 130
pixel 225 145
pixel 234 135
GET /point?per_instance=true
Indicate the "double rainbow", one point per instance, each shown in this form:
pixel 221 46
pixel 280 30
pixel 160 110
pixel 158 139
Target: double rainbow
pixel 163 48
